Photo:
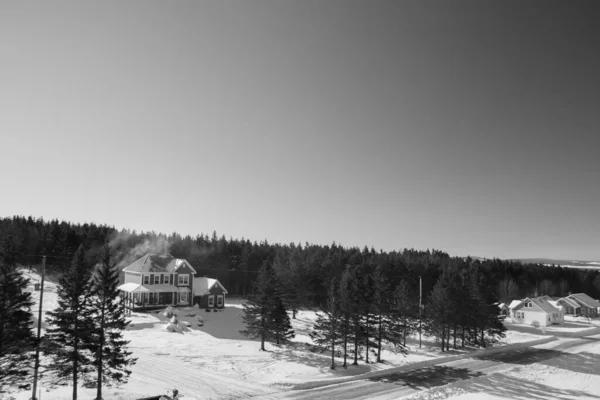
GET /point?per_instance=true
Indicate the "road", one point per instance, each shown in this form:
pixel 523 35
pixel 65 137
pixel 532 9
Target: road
pixel 410 382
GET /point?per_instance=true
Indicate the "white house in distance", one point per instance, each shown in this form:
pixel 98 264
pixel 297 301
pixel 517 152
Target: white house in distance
pixel 537 309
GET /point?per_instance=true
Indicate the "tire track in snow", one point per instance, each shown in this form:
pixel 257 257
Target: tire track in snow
pixel 192 383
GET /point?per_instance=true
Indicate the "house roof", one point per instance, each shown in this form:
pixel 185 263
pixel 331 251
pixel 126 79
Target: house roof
pixel 570 302
pixel 514 303
pixel 136 288
pixel 157 263
pixel 203 284
pixel 130 287
pixel 544 304
pixel 555 304
pixel 502 306
pixel 585 299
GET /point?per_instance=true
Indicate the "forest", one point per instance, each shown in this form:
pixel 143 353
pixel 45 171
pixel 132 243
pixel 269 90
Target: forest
pixel 305 268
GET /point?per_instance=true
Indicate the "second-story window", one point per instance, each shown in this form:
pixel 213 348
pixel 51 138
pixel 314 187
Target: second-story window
pixel 167 279
pixel 183 279
pixel 146 279
pixel 156 279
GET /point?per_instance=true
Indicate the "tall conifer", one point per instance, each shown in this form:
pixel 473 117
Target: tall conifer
pixel 72 324
pixel 110 356
pixel 16 336
pixel 326 331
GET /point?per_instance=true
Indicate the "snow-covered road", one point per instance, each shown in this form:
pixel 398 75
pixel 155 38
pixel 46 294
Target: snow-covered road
pixel 500 374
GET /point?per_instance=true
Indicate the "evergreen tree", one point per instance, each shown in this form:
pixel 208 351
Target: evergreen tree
pixel 366 296
pixel 265 314
pixel 439 310
pixel 326 329
pixel 345 307
pixel 279 324
pixel 16 336
pixel 400 320
pixel 257 308
pixel 489 319
pixel 72 324
pixel 355 308
pixel 380 306
pixel 109 352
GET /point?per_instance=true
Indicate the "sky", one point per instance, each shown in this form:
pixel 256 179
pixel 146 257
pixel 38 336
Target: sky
pixel 466 126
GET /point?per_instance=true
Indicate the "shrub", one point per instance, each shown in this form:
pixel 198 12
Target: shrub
pixel 535 324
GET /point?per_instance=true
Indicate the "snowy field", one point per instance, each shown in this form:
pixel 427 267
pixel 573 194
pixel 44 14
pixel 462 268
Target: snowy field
pixel 215 361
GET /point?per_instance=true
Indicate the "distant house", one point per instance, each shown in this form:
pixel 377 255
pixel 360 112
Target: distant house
pixel 537 309
pixel 209 293
pixel 571 306
pixel 588 306
pixel 157 281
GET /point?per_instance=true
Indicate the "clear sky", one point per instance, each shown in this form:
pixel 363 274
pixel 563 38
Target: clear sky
pixel 466 126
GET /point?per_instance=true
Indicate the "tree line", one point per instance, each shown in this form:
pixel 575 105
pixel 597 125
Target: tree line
pixel 84 338
pixel 306 268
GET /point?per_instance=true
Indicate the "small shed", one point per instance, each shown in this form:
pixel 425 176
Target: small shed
pixel 209 293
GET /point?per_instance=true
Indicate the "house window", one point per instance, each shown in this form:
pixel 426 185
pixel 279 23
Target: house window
pixel 183 297
pixel 146 279
pixel 219 301
pixel 527 304
pixel 211 301
pixel 167 279
pixel 156 279
pixel 183 279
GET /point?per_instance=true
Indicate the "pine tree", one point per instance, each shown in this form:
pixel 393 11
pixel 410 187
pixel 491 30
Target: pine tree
pixel 326 329
pixel 380 306
pixel 16 336
pixel 355 309
pixel 110 356
pixel 488 318
pixel 345 307
pixel 256 309
pixel 399 318
pixel 279 324
pixel 366 305
pixel 72 324
pixel 439 310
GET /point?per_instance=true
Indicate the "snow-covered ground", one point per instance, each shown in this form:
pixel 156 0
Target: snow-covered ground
pixel 569 371
pixel 571 324
pixel 215 361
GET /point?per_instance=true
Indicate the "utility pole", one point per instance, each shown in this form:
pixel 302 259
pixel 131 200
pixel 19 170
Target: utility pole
pixel 39 330
pixel 420 307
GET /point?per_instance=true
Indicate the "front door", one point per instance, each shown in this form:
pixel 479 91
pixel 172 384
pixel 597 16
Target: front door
pixel 220 301
pixel 183 297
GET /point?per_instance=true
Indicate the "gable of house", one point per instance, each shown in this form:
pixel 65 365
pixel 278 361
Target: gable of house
pixel 584 300
pixel 568 302
pixel 204 285
pixel 528 305
pixel 514 304
pixel 536 304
